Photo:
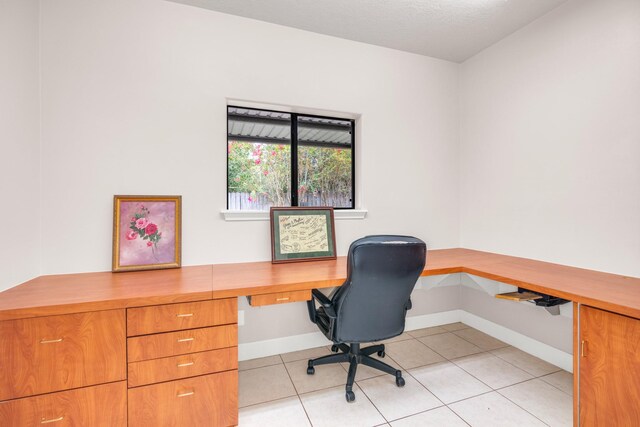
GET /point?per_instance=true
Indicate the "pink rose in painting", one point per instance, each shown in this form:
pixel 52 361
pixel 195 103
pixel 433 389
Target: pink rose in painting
pixel 149 243
pixel 151 228
pixel 133 219
pixel 257 161
pixel 141 223
pixel 132 235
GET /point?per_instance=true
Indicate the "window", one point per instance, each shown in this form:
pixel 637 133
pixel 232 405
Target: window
pixel 287 159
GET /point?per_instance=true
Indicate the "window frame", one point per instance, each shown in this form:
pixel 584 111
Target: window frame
pixel 294 153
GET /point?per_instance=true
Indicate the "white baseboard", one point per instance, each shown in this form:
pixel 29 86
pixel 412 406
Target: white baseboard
pixel 433 319
pixel 536 348
pixel 253 350
pixel 543 351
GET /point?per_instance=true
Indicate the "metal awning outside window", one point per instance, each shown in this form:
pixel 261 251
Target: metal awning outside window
pixel 272 127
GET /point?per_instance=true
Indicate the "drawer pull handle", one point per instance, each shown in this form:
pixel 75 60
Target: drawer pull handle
pixel 184 315
pixel 52 420
pixel 186 393
pixel 182 365
pixel 583 344
pixel 282 299
pixel 185 339
pixel 43 341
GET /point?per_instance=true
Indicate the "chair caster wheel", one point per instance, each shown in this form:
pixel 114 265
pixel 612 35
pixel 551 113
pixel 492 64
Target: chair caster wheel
pixel 334 348
pixel 350 396
pixel 311 370
pixel 381 353
pixel 400 381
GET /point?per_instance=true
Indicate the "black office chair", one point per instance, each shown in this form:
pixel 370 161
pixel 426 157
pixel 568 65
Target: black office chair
pixel 371 305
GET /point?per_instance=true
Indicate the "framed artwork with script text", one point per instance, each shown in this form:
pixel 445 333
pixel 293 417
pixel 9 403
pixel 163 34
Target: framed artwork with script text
pixel 146 232
pixel 302 234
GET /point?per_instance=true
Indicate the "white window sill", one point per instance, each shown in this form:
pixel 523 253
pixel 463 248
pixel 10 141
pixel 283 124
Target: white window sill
pixel 264 215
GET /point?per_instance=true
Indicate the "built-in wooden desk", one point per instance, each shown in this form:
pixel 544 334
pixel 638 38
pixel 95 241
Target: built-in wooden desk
pixel 41 302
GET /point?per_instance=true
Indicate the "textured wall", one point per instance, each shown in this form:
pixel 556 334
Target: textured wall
pixel 550 140
pixel 20 142
pixel 134 102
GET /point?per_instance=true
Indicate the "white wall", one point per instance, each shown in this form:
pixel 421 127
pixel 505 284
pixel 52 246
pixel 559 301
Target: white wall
pixel 19 142
pixel 550 139
pixel 134 98
pixel 133 102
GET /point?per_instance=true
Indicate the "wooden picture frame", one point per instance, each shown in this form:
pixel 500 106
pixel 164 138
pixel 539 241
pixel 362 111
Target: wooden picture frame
pixel 302 234
pixel 146 232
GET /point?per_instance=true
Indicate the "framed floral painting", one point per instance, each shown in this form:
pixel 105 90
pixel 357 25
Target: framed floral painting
pixel 146 232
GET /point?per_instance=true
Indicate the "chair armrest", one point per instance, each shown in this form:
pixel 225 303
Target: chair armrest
pixel 322 298
pixel 408 305
pixel 325 302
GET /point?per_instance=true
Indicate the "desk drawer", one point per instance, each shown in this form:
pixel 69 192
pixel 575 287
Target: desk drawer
pixel 54 353
pixel 279 298
pixel 188 365
pixel 181 342
pixel 102 405
pixel 174 317
pixel 210 400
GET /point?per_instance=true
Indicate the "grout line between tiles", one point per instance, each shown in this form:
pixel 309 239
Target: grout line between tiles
pixel 258 367
pixel 529 412
pixel 484 350
pixel 558 388
pixel 267 401
pixel 471 397
pixel 374 405
pixel 406 372
pixel 512 364
pixel 297 394
pixel 450 359
pixel 528 379
pixel 305 410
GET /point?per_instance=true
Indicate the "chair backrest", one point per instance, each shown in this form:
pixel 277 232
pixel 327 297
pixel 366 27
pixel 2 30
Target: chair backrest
pixel 381 273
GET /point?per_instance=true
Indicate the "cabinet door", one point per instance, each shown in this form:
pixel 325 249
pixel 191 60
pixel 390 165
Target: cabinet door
pixel 55 353
pixel 609 369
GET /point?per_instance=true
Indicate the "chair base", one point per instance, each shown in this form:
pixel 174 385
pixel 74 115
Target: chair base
pixel 354 355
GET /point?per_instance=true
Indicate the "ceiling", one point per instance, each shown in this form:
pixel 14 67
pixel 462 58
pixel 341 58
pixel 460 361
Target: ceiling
pixel 454 30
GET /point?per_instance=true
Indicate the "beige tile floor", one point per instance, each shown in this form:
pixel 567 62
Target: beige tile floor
pixel 455 376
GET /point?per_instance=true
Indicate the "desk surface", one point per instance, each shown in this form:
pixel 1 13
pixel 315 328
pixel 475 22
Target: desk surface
pixel 72 293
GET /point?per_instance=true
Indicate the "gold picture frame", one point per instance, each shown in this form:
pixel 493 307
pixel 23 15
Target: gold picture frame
pixel 146 232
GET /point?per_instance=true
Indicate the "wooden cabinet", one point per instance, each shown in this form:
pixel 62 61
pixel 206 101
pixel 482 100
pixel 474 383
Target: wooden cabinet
pixel 53 353
pixel 179 367
pixel 102 405
pixel 210 400
pixel 183 364
pixel 608 356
